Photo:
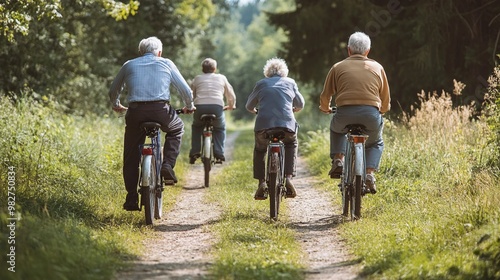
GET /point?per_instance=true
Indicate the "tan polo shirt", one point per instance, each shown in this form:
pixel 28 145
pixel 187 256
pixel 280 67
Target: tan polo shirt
pixel 211 88
pixel 356 80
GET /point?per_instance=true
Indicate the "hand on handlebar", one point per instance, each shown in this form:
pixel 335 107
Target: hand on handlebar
pixel 185 110
pixel 330 110
pixel 120 108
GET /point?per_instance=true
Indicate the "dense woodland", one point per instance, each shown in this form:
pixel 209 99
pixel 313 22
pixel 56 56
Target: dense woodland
pixel 69 51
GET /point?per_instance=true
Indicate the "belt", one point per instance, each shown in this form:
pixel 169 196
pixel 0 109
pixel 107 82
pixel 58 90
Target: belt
pixel 150 102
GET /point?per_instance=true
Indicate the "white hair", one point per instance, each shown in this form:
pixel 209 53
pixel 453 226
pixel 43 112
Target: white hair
pixel 150 45
pixel 359 43
pixel 275 66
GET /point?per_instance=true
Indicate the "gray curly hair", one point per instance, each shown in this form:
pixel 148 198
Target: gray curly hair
pixel 150 45
pixel 275 66
pixel 359 43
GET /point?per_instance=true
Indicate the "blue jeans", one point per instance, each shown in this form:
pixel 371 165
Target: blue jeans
pixel 368 116
pixel 219 133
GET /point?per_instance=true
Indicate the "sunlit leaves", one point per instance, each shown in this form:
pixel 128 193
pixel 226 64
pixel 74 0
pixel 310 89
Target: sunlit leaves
pixel 15 16
pixel 196 10
pixel 119 10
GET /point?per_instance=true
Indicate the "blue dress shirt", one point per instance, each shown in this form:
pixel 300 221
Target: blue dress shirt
pixel 148 78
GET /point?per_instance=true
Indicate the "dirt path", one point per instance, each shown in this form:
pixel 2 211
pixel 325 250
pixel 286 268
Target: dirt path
pixel 181 249
pixel 314 219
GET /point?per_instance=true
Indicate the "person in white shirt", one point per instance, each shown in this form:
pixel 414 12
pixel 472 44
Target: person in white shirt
pixel 209 91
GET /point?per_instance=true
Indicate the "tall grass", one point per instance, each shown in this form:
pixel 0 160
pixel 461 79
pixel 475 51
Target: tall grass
pixel 68 193
pixel 437 211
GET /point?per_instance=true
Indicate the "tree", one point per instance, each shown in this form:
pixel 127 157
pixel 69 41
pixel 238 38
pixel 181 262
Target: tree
pixel 422 44
pixel 73 55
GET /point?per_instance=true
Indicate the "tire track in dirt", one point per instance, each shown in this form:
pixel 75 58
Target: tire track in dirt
pixel 182 244
pixel 316 221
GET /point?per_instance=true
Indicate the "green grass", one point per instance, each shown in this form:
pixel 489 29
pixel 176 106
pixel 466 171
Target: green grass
pixel 249 245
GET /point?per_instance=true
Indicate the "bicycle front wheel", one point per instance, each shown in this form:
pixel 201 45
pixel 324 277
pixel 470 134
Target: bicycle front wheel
pixel 148 189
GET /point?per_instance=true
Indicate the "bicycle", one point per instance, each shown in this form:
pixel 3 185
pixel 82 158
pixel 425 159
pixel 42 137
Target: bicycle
pixel 275 170
pixel 150 180
pixel 352 180
pixel 207 149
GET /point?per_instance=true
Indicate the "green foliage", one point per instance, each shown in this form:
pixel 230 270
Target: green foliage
pixel 119 10
pixel 436 200
pixel 74 56
pixel 436 41
pixel 16 15
pixel 241 45
pixel 492 115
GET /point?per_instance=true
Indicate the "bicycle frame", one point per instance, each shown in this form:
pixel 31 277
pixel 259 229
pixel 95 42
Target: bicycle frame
pixel 151 182
pixel 354 172
pixel 275 175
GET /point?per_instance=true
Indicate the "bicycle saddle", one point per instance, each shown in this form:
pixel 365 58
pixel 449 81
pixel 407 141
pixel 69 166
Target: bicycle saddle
pixel 356 129
pixel 151 128
pixel 207 117
pixel 275 132
pixel 150 125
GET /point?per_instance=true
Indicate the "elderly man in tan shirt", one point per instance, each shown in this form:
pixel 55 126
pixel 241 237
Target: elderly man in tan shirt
pixel 209 91
pixel 361 91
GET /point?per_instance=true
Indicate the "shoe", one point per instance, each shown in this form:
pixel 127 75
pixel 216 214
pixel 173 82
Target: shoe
pixel 131 202
pixel 336 171
pixel 261 193
pixel 290 189
pixel 220 158
pixel 370 184
pixel 168 174
pixel 193 158
pixel 218 161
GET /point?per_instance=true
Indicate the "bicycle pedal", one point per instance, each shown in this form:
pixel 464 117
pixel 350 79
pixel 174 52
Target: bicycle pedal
pixel 169 182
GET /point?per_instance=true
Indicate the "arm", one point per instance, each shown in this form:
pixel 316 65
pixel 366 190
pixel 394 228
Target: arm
pixel 385 96
pixel 182 87
pixel 229 94
pixel 325 97
pixel 252 101
pixel 298 100
pixel 115 91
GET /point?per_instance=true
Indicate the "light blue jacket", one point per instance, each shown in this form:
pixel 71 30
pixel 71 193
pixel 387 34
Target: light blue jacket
pixel 275 97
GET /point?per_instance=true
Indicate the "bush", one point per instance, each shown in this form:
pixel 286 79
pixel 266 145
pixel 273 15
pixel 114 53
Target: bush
pixel 491 114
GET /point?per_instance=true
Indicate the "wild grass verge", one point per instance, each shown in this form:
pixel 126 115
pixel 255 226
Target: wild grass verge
pixel 437 212
pixel 67 191
pixel 249 245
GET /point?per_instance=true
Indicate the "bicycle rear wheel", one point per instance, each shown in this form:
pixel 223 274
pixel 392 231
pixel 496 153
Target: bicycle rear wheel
pixel 274 187
pixel 148 189
pixel 159 198
pixel 356 198
pixel 207 159
pixel 346 199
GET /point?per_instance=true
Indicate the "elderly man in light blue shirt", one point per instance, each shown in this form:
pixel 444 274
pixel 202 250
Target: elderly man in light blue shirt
pixel 147 80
